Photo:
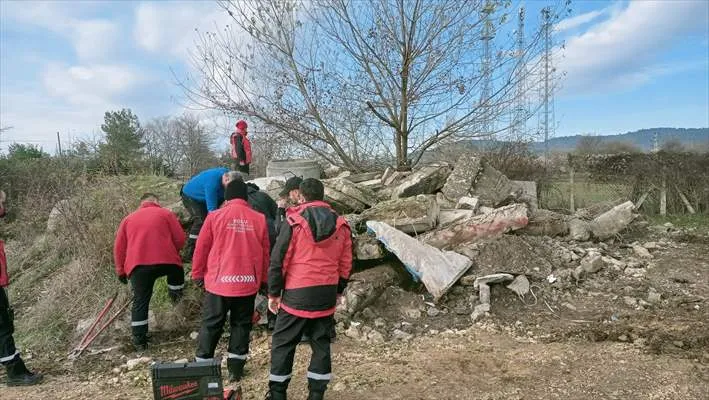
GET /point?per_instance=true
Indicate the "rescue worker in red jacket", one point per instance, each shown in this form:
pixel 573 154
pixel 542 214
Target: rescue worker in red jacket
pixel 147 247
pixel 241 148
pixel 230 262
pixel 17 372
pixel 309 270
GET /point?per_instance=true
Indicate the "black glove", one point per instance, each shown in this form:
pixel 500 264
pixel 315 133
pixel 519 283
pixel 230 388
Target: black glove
pixel 123 279
pixel 199 283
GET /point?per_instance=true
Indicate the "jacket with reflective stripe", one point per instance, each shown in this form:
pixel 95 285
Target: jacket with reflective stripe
pixel 312 260
pixel 232 251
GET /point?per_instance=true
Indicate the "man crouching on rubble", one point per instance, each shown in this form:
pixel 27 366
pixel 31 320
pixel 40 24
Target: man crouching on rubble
pixel 310 266
pixel 17 373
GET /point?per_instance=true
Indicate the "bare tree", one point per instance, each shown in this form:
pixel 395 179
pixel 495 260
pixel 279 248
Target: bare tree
pixel 589 144
pixel 182 143
pixel 351 80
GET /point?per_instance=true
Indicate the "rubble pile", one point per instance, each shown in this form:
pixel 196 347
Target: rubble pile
pixel 460 229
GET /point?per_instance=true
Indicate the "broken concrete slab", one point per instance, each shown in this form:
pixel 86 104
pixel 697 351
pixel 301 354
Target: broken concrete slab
pixel 467 203
pixel 519 285
pixel 367 248
pixel 527 194
pixel 448 217
pixel 426 180
pixel 480 311
pixel 412 215
pixel 365 287
pixel 356 223
pixel 613 221
pixel 546 223
pixel 395 177
pixel 493 278
pixel 579 230
pixel 366 176
pixel 374 184
pixel 387 173
pixel 460 181
pixel 492 187
pixel 501 220
pixel 592 263
pixel 351 191
pixel 438 270
pixel 597 209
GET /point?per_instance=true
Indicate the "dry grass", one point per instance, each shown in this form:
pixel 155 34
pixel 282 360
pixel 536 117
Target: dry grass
pixel 67 275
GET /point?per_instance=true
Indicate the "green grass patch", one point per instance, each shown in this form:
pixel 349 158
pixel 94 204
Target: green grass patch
pixel 691 221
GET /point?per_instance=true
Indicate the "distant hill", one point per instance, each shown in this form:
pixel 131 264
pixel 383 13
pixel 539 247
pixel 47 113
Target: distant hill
pixel 643 139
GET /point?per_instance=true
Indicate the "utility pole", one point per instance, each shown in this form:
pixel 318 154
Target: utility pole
pixel 59 144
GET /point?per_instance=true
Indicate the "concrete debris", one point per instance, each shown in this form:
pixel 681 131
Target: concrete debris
pixel 467 203
pixel 630 301
pixel 385 176
pixel 395 178
pixel 354 331
pixel 365 287
pixel 642 252
pixel 367 248
pixel 501 220
pixel 480 311
pixel 356 222
pixel 597 209
pixel 527 194
pixel 468 280
pixel 412 313
pixel 374 184
pixel 438 270
pixel 443 202
pixel 332 171
pixel 426 180
pixel 579 230
pixel 412 215
pixel 592 263
pixel 546 223
pixel 346 196
pixel 448 217
pixel 363 177
pixel 136 362
pixel 651 245
pixel 613 221
pixel 519 285
pixel 493 278
pixel 485 210
pixel 460 181
pixel 634 272
pixel 492 187
pixel 398 334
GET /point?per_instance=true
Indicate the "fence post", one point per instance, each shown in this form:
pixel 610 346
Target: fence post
pixel 571 189
pixel 663 196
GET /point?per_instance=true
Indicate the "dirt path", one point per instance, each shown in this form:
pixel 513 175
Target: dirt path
pixel 470 364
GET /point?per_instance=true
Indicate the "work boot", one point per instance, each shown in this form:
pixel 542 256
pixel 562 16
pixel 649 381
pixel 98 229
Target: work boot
pixel 277 391
pixel 235 368
pixel 140 343
pixel 316 395
pixel 19 375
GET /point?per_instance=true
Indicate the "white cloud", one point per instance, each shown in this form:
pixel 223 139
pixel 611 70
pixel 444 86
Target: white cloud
pixel 93 84
pixel 93 39
pixel 578 20
pixel 169 27
pixel 623 50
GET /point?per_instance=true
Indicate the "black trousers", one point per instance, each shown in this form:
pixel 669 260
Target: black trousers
pixel 242 168
pixel 286 336
pixel 142 280
pixel 214 311
pixel 8 352
pixel 198 212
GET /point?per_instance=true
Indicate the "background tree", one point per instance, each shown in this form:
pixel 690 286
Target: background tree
pixel 123 149
pixel 619 146
pixel 673 146
pixel 588 144
pixel 352 81
pixel 21 152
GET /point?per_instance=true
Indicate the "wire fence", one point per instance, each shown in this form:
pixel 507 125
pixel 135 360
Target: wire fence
pixel 661 183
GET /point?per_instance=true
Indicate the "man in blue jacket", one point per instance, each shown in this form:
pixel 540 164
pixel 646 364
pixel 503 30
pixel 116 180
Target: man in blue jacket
pixel 202 194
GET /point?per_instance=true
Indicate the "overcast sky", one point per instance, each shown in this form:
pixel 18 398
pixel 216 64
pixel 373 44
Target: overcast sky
pixel 628 65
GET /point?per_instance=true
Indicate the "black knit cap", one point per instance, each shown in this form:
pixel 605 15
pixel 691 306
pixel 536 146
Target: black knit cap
pixel 236 189
pixel 291 184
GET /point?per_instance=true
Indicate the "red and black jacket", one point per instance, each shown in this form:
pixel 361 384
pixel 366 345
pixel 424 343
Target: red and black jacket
pixel 4 280
pixel 311 260
pixel 240 147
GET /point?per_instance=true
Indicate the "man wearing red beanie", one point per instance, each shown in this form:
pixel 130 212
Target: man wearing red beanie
pixel 241 148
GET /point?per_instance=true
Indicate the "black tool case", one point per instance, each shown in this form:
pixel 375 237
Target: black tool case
pixel 188 381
